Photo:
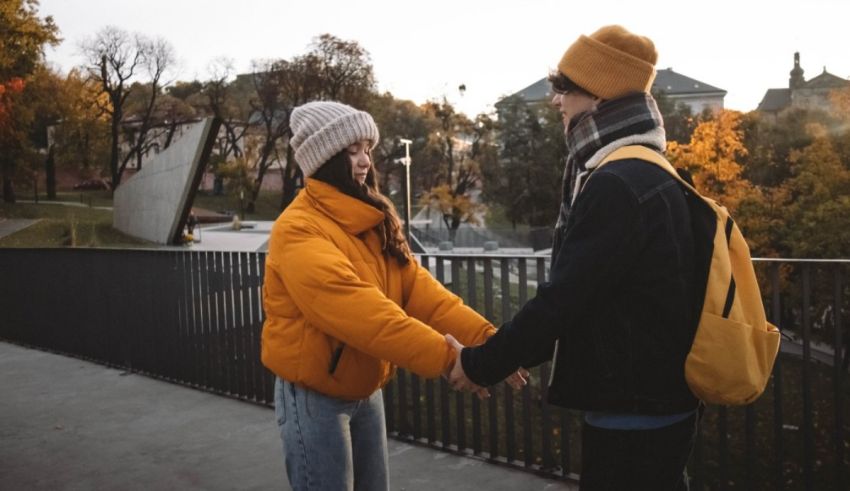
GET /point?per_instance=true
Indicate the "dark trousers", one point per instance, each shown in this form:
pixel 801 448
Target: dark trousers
pixel 637 459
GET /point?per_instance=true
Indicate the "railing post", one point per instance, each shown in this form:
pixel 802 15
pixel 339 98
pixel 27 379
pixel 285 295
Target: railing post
pixel 510 427
pixel 430 413
pixel 839 372
pixel 808 438
pixel 492 406
pixel 776 316
pixel 472 301
pixel 445 422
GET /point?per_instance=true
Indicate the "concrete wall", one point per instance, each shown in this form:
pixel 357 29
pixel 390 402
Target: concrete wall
pixel 149 205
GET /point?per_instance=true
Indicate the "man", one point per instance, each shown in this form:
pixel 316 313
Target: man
pixel 619 313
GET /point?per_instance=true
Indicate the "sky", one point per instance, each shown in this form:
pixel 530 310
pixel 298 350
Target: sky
pixel 425 50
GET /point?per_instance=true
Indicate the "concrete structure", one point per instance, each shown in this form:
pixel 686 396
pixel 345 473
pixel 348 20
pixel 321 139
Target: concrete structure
pixel 801 94
pixel 154 203
pixel 698 96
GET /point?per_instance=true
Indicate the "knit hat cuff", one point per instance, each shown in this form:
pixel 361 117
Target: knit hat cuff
pixel 334 137
pixel 605 71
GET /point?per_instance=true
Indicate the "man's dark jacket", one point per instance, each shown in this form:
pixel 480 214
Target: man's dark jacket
pixel 621 301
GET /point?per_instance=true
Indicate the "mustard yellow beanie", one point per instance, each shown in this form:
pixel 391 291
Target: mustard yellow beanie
pixel 611 62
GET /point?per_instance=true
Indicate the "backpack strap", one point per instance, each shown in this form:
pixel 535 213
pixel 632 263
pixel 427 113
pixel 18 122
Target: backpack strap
pixel 648 155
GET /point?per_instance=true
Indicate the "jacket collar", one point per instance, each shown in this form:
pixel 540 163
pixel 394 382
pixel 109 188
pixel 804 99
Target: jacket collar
pixel 353 215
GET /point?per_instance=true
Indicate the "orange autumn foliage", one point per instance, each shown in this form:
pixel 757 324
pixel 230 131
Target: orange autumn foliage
pixel 7 91
pixel 712 157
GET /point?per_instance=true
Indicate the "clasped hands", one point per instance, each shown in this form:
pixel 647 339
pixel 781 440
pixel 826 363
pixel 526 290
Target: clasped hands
pixel 459 381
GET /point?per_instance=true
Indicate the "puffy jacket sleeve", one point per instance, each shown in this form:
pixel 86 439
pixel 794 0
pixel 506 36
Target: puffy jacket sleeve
pixel 429 301
pixel 325 287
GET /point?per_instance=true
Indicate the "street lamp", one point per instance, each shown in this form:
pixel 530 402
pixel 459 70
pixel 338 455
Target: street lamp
pixel 406 162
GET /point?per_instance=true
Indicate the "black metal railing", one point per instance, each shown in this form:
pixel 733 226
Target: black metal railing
pixel 195 318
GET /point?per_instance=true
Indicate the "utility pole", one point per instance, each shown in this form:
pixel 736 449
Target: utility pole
pixel 406 162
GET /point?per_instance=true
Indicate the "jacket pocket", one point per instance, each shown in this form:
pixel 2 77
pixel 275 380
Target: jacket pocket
pixel 336 355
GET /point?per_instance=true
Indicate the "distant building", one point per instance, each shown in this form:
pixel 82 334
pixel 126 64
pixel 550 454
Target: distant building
pixel 698 96
pixel 675 86
pixel 801 94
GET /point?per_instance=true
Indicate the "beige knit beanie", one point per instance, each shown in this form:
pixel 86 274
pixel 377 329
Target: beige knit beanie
pixel 611 62
pixel 322 129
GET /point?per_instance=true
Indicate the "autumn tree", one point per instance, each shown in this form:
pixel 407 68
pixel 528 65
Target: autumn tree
pixel 713 158
pixel 81 140
pixel 50 102
pixel 462 146
pixel 23 35
pixel 123 63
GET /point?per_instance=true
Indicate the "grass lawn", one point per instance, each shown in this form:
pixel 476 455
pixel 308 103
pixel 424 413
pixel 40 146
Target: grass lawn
pixel 267 206
pixel 62 226
pixel 86 226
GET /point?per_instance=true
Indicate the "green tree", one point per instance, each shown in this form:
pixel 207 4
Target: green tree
pixel 525 182
pixel 679 120
pixel 818 206
pixel 770 144
pixel 399 119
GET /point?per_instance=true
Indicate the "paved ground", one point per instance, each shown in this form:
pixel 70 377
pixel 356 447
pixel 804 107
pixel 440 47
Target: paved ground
pixel 253 237
pixel 66 424
pixel 8 226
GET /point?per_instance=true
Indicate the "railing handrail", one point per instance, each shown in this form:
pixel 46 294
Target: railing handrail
pixel 195 317
pixel 439 254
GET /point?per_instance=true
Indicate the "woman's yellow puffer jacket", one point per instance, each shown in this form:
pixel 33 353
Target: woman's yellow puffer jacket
pixel 327 283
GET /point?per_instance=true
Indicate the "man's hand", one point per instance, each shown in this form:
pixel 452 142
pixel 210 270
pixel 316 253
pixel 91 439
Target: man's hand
pixel 457 377
pixel 518 379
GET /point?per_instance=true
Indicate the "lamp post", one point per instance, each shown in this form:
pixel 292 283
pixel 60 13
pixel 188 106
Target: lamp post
pixel 406 162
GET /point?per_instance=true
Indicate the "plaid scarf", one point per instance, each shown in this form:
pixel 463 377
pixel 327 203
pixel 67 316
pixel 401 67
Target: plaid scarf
pixel 630 120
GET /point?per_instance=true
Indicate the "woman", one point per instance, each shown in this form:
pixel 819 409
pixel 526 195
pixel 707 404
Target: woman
pixel 345 301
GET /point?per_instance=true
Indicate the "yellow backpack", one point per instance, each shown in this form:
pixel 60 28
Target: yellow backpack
pixel 732 355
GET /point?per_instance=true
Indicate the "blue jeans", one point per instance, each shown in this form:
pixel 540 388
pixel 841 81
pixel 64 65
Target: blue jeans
pixel 651 460
pixel 329 443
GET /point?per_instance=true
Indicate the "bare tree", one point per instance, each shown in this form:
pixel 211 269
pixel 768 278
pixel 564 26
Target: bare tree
pixel 270 113
pixel 345 70
pixel 157 59
pixel 117 60
pixel 332 69
pixel 220 102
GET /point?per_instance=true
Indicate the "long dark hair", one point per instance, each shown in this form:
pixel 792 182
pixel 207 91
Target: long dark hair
pixel 337 172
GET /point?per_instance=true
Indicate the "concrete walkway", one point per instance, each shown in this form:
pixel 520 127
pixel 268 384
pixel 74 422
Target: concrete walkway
pixel 8 226
pixel 67 424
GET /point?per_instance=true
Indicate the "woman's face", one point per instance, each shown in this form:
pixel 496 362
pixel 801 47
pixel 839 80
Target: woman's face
pixel 360 160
